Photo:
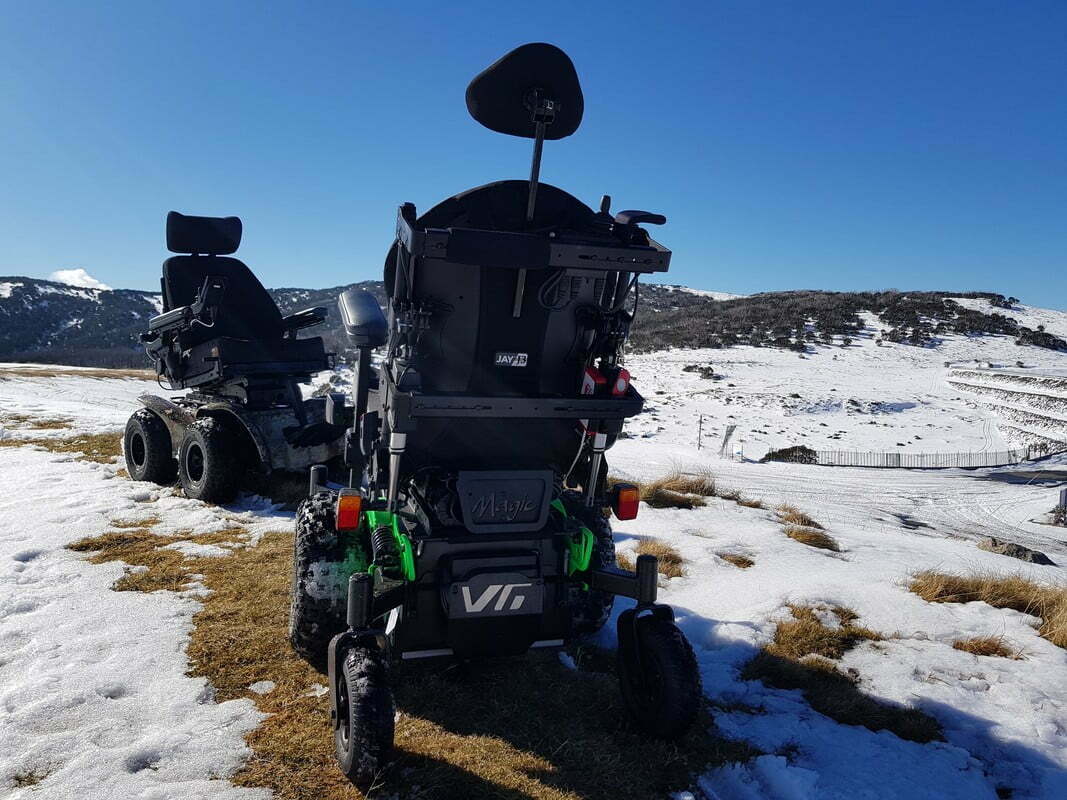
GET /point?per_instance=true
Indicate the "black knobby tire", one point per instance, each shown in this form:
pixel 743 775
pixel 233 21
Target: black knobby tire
pixel 665 695
pixel 209 463
pixel 146 446
pixel 318 596
pixel 590 609
pixel 363 740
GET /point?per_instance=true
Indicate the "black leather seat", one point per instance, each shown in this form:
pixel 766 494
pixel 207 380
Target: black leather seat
pixel 247 335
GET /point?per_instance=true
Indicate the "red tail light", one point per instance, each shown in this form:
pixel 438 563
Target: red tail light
pixel 626 498
pixel 349 509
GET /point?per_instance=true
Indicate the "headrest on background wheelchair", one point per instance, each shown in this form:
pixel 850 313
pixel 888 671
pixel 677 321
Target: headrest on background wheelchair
pixel 215 236
pixel 498 96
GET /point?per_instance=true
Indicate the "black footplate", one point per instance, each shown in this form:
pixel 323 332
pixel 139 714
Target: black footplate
pixel 502 501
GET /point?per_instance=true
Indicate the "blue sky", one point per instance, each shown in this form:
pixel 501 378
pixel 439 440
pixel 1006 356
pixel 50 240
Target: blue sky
pixel 835 145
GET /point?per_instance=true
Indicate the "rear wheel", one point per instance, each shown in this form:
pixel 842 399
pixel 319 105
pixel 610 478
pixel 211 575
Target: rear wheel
pixel 320 590
pixel 363 740
pixel 209 466
pixel 146 446
pixel 658 676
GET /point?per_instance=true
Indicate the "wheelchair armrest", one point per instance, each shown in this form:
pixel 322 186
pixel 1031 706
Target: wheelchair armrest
pixel 639 218
pixel 304 319
pixel 173 320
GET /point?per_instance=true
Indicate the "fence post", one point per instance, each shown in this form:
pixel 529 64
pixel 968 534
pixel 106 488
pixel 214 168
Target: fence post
pixel 700 430
pixel 1063 498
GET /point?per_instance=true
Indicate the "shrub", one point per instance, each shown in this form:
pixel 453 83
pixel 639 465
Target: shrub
pixel 799 454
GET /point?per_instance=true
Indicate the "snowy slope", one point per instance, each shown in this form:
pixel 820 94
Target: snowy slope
pixel 93 690
pixel 869 397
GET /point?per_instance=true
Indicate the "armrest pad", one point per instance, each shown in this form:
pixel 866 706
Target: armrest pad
pixel 305 318
pixel 639 218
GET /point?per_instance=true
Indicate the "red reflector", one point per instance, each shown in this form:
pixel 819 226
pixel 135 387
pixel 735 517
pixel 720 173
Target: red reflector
pixel 349 507
pixel 626 501
pixel 622 383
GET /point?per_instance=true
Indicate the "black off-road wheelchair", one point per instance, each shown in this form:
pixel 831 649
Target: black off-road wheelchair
pixel 221 337
pixel 475 519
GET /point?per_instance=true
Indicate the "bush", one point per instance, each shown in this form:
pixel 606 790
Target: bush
pixel 799 454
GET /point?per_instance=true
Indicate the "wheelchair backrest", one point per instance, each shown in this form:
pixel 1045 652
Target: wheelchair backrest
pixel 474 343
pixel 247 310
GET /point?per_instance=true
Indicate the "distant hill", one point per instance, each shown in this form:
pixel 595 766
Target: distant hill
pixel 52 322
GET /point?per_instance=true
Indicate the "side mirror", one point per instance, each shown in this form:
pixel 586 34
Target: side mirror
pixel 363 318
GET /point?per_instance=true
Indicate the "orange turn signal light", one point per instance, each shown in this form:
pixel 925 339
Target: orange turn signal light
pixel 625 500
pixel 349 509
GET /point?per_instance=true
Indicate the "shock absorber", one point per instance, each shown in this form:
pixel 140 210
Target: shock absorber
pixel 384 551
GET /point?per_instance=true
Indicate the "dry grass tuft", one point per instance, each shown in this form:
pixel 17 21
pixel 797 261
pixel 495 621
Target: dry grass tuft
pixel 33 422
pixel 740 561
pixel 670 560
pixel 59 372
pixel 1049 602
pixel 623 561
pixel 676 490
pixel 24 780
pixel 986 646
pixel 749 502
pixel 812 537
pixel 802 656
pixel 102 448
pixel 791 515
pixel 154 565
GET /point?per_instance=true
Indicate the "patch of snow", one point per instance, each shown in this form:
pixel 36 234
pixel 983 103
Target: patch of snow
pixel 94 689
pixel 78 277
pixel 7 288
pixel 262 687
pixel 703 292
pixel 156 300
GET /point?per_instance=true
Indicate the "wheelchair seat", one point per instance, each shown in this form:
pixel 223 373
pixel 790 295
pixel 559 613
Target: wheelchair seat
pixel 241 335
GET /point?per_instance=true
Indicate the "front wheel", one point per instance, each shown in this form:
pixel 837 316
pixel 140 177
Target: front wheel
pixel 319 590
pixel 658 675
pixel 363 740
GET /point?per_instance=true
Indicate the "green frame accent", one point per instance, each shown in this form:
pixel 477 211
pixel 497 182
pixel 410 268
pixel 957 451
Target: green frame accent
pixel 376 519
pixel 581 546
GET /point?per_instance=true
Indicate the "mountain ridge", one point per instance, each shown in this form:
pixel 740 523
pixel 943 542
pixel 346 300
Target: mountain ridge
pixel 52 322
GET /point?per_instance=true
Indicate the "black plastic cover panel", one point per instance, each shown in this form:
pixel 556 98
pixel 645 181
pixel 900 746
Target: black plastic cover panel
pixel 502 501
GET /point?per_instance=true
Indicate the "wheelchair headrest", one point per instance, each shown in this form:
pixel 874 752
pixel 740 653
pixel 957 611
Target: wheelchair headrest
pixel 500 97
pixel 215 236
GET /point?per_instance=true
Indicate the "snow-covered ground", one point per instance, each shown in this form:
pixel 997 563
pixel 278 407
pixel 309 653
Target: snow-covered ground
pixel 864 397
pixel 93 691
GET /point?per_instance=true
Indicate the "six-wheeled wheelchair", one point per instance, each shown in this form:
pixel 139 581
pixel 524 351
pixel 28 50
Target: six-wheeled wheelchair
pixel 221 337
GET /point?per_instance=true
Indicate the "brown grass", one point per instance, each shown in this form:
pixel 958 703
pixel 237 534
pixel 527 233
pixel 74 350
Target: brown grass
pixel 102 448
pixel 1049 602
pixel 812 537
pixel 802 656
pixel 670 560
pixel 23 780
pixel 59 372
pixel 521 729
pixel 623 561
pixel 33 422
pixel 738 560
pixel 986 646
pixel 791 515
pixel 156 567
pixel 749 502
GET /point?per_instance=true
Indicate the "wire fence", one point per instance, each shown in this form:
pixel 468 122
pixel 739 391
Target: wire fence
pixel 963 460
